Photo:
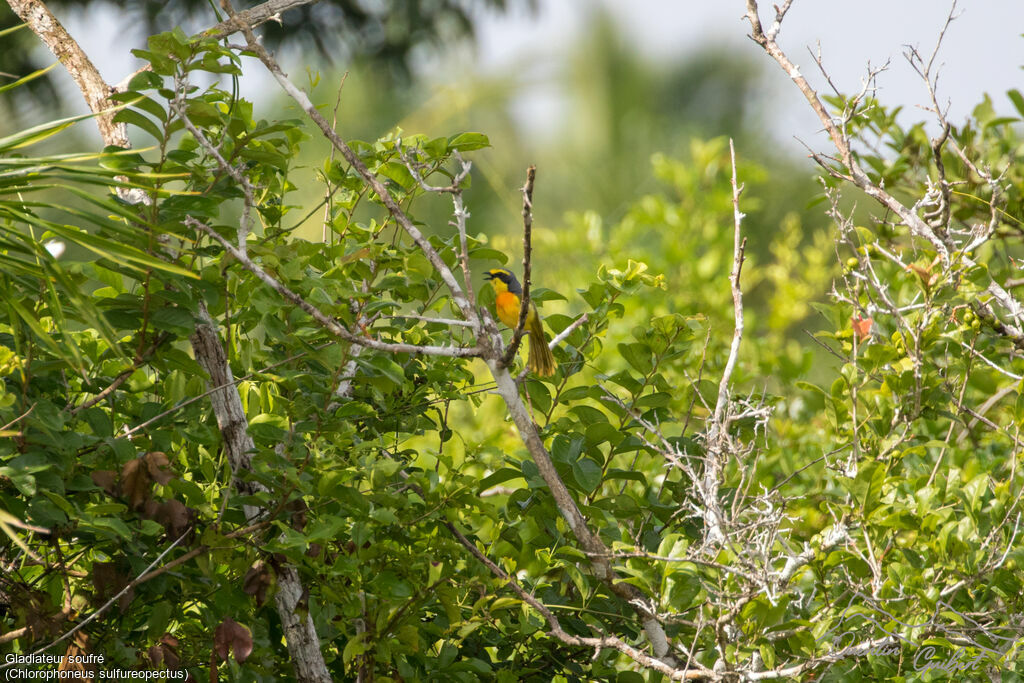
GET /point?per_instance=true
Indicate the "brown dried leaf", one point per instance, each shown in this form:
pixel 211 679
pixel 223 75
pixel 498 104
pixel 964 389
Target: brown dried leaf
pixel 106 579
pixel 298 509
pixel 174 516
pixel 125 600
pixel 165 652
pixel 150 510
pixel 135 483
pixel 109 581
pixel 41 617
pixel 232 636
pixel 106 480
pixel 159 467
pixel 257 580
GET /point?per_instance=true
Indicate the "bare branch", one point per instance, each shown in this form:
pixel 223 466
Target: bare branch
pixel 459 213
pixel 85 74
pixel 780 14
pixel 506 385
pixel 590 542
pixel 328 322
pixel 561 336
pixel 674 673
pixel 458 295
pixel 832 538
pixel 139 361
pixel 19 418
pixel 254 16
pixel 524 301
pixel 739 244
pixel 917 225
pixel 430 319
pixel 245 223
pixel 103 608
pixel 706 486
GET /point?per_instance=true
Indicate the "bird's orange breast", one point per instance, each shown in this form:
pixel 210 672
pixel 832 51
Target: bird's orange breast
pixel 507 306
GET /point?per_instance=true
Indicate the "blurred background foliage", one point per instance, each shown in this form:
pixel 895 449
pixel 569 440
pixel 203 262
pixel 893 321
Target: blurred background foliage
pixel 391 33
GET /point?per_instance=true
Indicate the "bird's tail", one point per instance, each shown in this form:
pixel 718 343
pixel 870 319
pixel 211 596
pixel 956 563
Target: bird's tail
pixel 542 361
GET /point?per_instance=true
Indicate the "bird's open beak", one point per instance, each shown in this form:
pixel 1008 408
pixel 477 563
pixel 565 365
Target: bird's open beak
pixel 488 276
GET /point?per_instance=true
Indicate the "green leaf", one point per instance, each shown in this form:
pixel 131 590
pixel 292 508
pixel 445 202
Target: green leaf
pixel 383 366
pixel 587 474
pixel 159 618
pixel 22 480
pixel 174 319
pixel 355 647
pixel 42 335
pixel 397 172
pixel 868 485
pixel 488 254
pixel 541 294
pixel 600 432
pixel 111 527
pixel 118 253
pixel 30 136
pixel 637 355
pixel 615 473
pixel 139 121
pixel 565 449
pixel 589 415
pixel 31 77
pixel 1001 121
pixel 1017 99
pixel 139 101
pixel 467 142
pixel 499 477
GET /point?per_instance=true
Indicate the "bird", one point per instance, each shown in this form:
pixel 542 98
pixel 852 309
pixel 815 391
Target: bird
pixel 507 291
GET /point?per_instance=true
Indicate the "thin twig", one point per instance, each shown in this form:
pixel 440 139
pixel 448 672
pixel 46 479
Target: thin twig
pixel 524 302
pixel 254 16
pixel 249 200
pixel 556 630
pixel 739 245
pixel 417 236
pixel 427 319
pixel 328 322
pixel 85 622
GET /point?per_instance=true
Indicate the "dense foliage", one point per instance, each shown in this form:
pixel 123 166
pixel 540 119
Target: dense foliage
pixel 756 517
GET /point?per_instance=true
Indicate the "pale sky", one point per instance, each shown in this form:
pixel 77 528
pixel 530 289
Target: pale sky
pixel 983 50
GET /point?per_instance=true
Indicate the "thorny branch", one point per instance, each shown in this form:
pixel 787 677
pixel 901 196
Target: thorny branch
pixel 929 219
pixel 918 226
pixel 556 629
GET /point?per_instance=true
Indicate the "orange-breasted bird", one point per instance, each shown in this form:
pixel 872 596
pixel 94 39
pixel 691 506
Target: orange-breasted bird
pixel 507 291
